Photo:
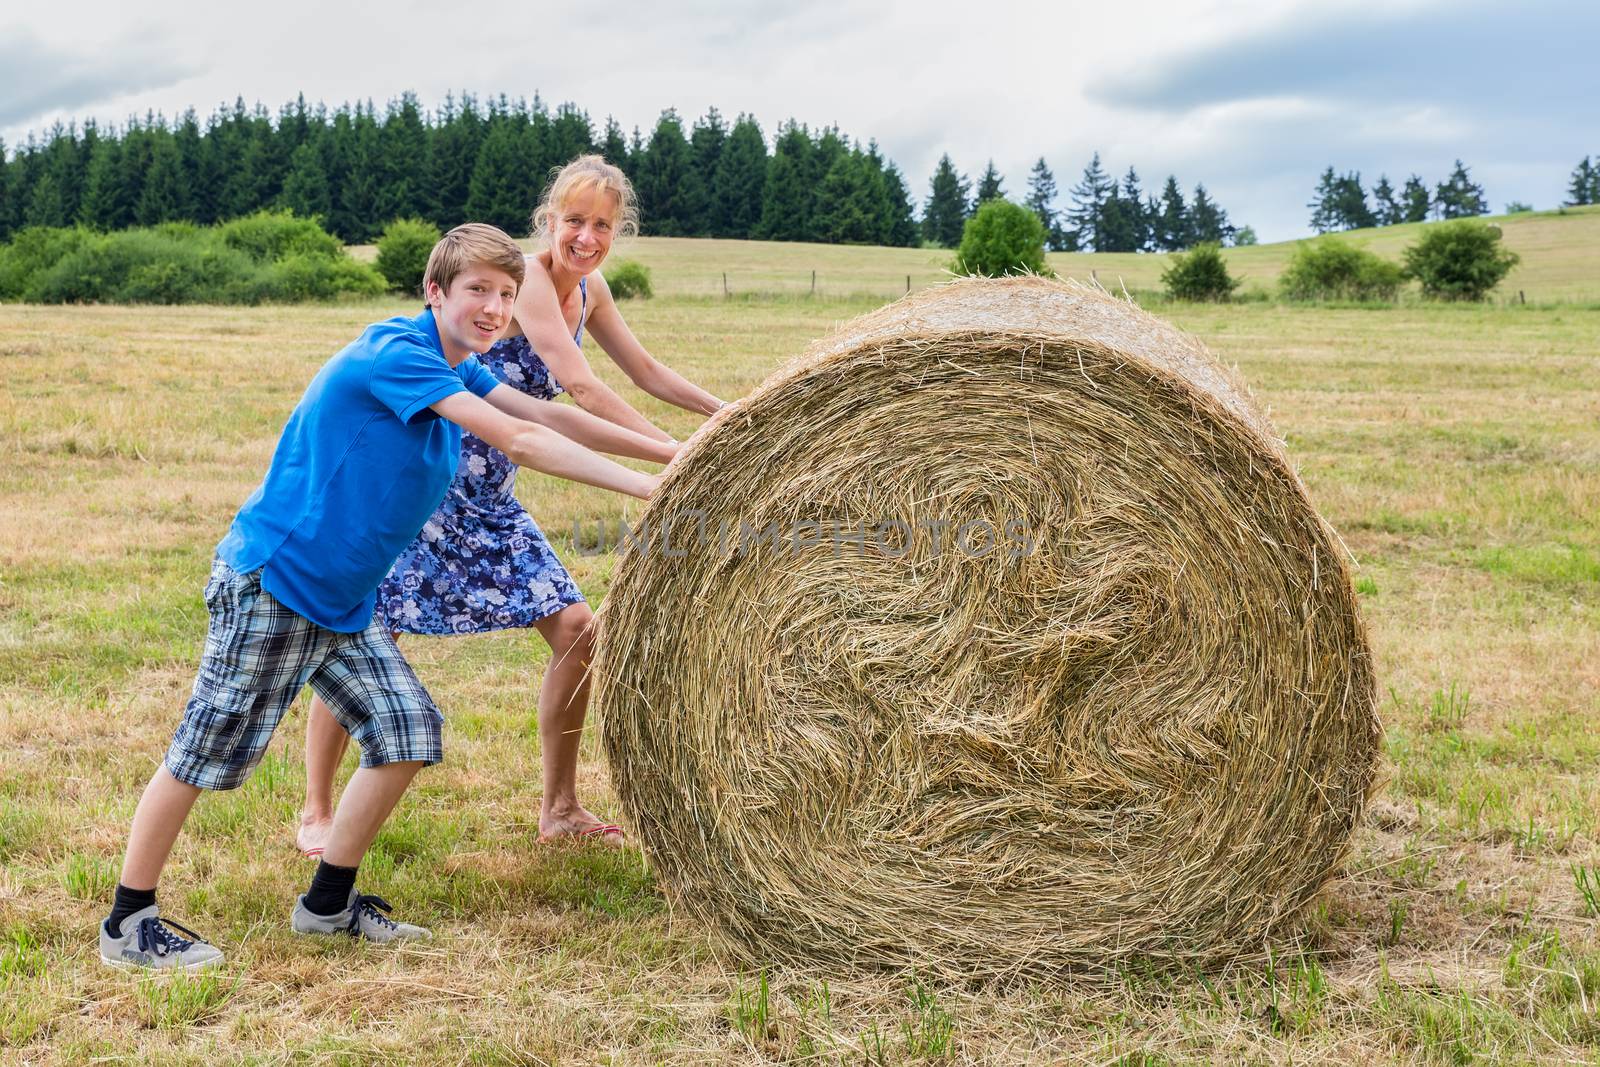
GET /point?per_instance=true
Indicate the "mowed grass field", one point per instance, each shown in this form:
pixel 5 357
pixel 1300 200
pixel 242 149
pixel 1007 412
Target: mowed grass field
pixel 1457 451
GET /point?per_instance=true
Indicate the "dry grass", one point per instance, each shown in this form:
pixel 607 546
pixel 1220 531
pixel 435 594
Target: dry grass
pixel 1457 451
pixel 1128 718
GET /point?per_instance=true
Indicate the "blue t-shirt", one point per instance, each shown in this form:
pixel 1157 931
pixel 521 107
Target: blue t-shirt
pixel 362 463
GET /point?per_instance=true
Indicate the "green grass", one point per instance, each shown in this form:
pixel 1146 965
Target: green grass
pixel 1456 451
pixel 1560 253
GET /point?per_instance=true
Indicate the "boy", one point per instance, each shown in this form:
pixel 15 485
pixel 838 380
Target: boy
pixel 362 463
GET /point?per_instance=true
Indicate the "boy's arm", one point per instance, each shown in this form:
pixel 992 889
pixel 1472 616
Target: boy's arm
pixel 541 448
pixel 582 427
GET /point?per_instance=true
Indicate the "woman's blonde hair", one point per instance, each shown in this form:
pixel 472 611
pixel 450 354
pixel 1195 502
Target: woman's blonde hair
pixel 588 172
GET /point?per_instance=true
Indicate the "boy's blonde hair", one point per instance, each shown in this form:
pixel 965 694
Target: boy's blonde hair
pixel 588 172
pixel 469 243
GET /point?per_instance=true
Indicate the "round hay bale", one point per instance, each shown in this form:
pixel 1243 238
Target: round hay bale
pixel 1141 725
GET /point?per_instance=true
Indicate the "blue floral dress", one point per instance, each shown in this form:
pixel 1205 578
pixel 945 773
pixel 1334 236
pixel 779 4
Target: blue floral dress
pixel 481 563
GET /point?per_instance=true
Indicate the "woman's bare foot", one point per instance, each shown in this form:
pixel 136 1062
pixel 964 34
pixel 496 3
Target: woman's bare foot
pixel 579 824
pixel 312 836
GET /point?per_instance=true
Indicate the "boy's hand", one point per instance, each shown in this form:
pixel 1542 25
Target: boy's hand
pixel 655 483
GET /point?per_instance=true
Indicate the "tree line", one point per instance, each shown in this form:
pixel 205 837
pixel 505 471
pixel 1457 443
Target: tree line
pixel 1105 215
pixel 357 168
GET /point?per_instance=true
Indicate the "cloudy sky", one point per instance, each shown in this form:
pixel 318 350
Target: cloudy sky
pixel 1251 97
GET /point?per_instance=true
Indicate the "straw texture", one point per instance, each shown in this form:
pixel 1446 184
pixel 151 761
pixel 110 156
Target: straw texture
pixel 1141 725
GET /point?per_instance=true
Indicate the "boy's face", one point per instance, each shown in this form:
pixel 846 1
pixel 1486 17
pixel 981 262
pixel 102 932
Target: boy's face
pixel 474 313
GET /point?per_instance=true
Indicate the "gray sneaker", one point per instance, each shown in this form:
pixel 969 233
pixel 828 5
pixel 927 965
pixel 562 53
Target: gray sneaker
pixel 362 917
pixel 147 940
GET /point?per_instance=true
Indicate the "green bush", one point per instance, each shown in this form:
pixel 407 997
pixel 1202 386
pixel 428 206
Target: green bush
pixel 629 278
pixel 34 250
pixel 146 267
pixel 1199 274
pixel 268 236
pixel 403 252
pixel 300 278
pixel 1001 238
pixel 266 257
pixel 1331 269
pixel 1459 260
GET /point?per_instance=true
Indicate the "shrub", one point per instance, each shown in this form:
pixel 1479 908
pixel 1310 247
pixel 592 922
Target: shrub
pixel 301 277
pixel 629 278
pixel 403 253
pixel 1199 274
pixel 267 236
pixel 1331 269
pixel 145 267
pixel 1245 236
pixel 1459 260
pixel 1001 238
pixel 34 250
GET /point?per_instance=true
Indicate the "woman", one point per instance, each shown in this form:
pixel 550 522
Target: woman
pixel 481 563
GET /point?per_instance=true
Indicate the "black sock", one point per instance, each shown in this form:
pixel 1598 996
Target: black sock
pixel 125 903
pixel 330 889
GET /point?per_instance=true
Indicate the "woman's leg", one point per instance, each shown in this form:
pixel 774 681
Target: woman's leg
pixel 563 703
pixel 326 742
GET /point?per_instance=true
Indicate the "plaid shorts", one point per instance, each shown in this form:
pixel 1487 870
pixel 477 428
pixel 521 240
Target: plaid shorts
pixel 259 655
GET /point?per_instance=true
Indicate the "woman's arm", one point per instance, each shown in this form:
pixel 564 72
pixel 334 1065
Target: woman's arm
pixel 539 314
pixel 643 369
pixel 586 429
pixel 542 449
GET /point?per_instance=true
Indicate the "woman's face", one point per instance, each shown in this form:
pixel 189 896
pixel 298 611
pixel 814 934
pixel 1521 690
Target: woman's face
pixel 581 231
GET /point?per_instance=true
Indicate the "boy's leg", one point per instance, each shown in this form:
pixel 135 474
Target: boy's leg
pixel 374 695
pixel 563 704
pixel 156 821
pixel 258 655
pixel 368 800
pixel 326 742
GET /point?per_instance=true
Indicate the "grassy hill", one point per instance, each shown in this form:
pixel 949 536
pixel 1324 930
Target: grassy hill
pixel 1560 262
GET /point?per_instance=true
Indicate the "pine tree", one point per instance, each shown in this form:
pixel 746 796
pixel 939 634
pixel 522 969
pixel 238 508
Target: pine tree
pixel 1041 200
pixel 706 142
pixel 1580 190
pixel 1088 200
pixel 1458 196
pixel 1141 220
pixel 164 196
pixel 614 145
pixel 1414 200
pixel 1386 209
pixel 1172 230
pixel 786 197
pixel 201 179
pixel 453 150
pixel 305 190
pixel 671 197
pixel 902 230
pixel 741 174
pixel 1120 223
pixel 846 210
pixel 45 205
pixel 105 204
pixel 1324 203
pixel 404 193
pixel 498 192
pixel 947 208
pixel 571 135
pixel 5 194
pixel 1208 222
pixel 1350 210
pixel 989 186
